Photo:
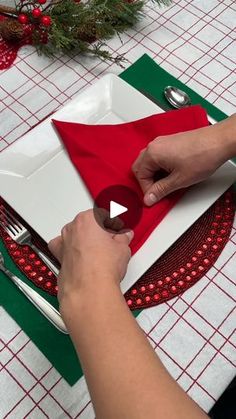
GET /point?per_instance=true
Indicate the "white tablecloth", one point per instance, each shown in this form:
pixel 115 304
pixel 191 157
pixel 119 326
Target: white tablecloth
pixel 194 335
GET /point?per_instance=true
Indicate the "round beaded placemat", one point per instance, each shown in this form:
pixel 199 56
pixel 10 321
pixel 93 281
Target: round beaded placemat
pixel 192 255
pixel 189 259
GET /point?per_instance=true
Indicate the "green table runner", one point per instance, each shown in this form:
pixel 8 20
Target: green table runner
pixel 146 75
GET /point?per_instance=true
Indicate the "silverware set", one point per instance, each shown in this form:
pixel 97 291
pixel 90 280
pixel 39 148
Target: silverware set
pixel 22 236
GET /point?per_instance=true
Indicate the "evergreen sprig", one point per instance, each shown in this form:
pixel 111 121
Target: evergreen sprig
pixel 82 27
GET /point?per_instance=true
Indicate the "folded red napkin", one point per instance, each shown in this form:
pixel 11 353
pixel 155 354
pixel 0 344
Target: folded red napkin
pixel 104 154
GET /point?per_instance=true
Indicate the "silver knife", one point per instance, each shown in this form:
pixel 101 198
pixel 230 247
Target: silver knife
pixel 39 302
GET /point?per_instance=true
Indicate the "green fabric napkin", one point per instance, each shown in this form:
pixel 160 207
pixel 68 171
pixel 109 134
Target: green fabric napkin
pixel 146 75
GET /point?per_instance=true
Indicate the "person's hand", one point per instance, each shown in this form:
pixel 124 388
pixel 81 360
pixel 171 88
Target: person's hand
pixel 186 158
pixel 89 255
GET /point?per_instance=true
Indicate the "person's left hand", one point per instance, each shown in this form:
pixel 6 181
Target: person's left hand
pixel 89 255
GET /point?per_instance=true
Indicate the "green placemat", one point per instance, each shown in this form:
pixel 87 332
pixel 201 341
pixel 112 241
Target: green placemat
pixel 146 75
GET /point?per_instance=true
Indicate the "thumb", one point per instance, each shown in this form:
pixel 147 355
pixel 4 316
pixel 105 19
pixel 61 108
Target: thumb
pixel 55 247
pixel 125 238
pixel 160 189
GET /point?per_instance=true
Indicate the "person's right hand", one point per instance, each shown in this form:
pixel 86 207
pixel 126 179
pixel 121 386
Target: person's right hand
pixel 187 158
pixel 90 256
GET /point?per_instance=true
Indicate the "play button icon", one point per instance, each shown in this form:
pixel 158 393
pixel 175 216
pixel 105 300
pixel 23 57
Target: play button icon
pixel 118 208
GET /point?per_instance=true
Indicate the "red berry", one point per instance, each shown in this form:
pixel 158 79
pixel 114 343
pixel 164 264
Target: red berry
pixel 42 1
pixel 46 20
pixel 36 12
pixel 22 18
pixel 28 30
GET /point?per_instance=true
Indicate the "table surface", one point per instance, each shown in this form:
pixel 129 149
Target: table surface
pixel 194 334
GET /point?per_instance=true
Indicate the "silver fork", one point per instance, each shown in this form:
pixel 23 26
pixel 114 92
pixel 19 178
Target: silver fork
pixel 22 236
pixel 39 302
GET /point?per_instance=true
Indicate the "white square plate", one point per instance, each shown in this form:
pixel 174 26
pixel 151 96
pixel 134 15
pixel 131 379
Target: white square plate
pixel 38 180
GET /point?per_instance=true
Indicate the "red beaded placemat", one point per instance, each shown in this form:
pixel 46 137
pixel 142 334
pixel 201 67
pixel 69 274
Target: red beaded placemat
pixel 189 259
pixel 192 255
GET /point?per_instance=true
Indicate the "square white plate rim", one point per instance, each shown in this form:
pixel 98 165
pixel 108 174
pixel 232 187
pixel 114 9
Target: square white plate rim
pixel 40 149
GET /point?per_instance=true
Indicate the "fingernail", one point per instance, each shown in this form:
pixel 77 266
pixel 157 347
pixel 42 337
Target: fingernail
pixel 151 199
pixel 130 234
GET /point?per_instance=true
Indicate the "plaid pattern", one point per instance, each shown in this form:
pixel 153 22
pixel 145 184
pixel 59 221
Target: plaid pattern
pixel 194 334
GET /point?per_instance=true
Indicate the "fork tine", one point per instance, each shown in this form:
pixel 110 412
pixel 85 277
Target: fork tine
pixel 5 220
pixel 8 231
pixel 11 220
pixel 17 222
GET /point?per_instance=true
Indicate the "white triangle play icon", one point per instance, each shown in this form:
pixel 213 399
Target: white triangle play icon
pixel 116 209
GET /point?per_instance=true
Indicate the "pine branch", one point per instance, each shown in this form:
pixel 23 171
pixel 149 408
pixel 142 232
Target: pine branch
pixel 51 4
pixel 162 2
pixel 106 55
pixel 81 28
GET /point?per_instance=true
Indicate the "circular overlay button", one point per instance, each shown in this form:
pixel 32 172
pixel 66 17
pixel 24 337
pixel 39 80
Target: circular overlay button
pixel 118 208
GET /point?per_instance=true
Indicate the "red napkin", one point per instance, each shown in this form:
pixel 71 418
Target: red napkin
pixel 104 154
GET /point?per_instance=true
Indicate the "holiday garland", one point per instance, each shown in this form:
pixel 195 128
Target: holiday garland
pixel 71 26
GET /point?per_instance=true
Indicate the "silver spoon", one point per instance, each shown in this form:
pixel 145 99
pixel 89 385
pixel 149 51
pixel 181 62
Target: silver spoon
pixel 180 99
pixel 176 97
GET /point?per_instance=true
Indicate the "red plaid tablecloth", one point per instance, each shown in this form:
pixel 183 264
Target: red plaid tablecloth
pixel 194 335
